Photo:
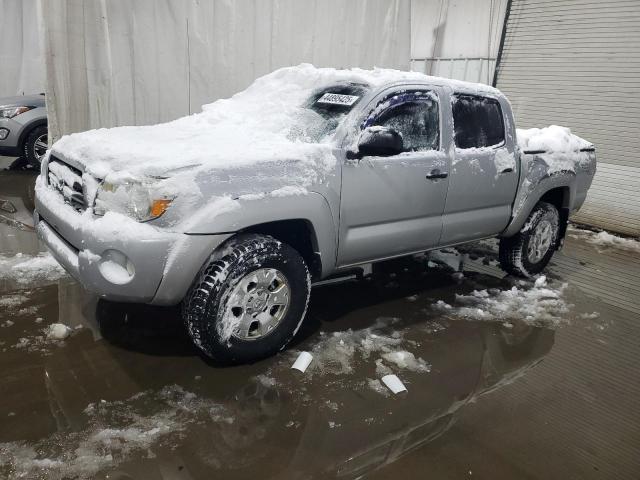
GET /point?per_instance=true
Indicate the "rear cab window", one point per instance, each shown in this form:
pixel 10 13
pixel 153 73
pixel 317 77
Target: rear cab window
pixel 414 114
pixel 478 121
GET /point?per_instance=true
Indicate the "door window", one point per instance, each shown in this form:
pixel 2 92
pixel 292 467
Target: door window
pixel 477 121
pixel 414 116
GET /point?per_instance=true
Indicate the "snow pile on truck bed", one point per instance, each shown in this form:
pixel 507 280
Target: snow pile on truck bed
pixel 551 139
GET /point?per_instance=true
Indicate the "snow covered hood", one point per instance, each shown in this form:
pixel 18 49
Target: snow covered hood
pixel 264 123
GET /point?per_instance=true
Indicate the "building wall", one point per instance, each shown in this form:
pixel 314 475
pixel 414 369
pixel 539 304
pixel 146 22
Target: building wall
pixel 576 63
pixel 115 63
pixel 21 57
pixel 456 38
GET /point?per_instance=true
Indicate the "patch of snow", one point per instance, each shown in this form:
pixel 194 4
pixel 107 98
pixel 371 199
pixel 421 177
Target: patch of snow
pixel 605 239
pixel 114 431
pixel 12 301
pixel 407 360
pixel 58 331
pixel 539 305
pixel 553 138
pixel 25 270
pixel 336 352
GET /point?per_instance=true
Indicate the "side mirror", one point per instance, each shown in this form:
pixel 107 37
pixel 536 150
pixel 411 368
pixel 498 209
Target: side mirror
pixel 379 142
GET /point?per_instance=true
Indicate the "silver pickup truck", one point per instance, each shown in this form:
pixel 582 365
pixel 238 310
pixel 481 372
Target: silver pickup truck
pixel 236 211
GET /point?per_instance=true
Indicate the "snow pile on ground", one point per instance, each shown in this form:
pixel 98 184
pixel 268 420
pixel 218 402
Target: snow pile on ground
pixel 114 431
pixel 551 139
pixel 406 361
pixel 58 331
pixel 605 239
pixel 336 352
pixel 538 304
pixel 25 269
pixel 12 301
pixel 50 336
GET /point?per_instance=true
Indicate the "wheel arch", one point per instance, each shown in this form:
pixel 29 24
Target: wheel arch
pixel 298 233
pixel 305 222
pixel 555 189
pixel 559 197
pixel 28 128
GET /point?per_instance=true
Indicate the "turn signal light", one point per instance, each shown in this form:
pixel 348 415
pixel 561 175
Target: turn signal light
pixel 158 207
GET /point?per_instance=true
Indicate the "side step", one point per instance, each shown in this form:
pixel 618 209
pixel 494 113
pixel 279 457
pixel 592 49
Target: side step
pixel 355 273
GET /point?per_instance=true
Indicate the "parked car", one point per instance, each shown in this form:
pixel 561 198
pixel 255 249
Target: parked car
pixel 307 174
pixel 23 127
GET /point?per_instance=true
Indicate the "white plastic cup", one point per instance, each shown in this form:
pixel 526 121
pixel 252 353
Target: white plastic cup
pixel 302 362
pixel 394 384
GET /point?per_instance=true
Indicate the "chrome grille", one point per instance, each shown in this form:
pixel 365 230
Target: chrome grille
pixel 68 181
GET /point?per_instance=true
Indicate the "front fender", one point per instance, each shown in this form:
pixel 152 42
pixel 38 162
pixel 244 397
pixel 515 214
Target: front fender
pixel 224 216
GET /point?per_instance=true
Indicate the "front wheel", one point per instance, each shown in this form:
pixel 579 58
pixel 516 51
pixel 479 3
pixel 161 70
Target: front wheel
pixel 530 250
pixel 36 146
pixel 249 303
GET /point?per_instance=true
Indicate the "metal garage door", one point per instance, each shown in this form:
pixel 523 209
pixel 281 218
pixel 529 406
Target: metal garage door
pixel 577 63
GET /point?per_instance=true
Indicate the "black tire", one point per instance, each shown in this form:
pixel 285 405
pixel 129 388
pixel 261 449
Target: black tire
pixel 205 304
pixel 513 254
pixel 30 148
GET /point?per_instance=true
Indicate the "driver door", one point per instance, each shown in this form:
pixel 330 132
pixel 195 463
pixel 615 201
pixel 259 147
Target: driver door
pixel 393 205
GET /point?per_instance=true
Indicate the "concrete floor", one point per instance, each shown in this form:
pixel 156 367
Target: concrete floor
pixel 127 396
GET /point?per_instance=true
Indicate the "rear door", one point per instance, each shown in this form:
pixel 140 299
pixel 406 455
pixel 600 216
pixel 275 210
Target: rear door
pixel 388 205
pixel 484 172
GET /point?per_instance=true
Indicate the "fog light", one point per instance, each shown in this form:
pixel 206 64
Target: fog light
pixel 116 268
pixel 4 133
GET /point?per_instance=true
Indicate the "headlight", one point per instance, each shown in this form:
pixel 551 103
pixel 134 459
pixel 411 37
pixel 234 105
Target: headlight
pixel 10 112
pixel 138 200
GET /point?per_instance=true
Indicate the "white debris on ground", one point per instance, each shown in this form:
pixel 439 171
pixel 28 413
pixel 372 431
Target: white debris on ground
pixel 605 239
pixel 537 304
pixel 27 269
pixel 58 331
pixel 394 384
pixel 114 432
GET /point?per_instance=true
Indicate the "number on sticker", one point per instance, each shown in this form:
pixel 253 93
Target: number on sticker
pixel 337 99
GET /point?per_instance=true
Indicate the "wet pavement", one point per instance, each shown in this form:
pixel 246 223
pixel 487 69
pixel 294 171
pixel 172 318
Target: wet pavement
pixel 517 380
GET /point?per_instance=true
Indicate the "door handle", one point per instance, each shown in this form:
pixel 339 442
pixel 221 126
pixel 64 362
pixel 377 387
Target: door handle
pixel 436 174
pixel 507 170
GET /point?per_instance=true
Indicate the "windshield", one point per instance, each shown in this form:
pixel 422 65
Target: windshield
pixel 325 110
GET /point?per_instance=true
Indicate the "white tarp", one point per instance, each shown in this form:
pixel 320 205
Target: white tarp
pixel 125 62
pixel 457 38
pixel 21 58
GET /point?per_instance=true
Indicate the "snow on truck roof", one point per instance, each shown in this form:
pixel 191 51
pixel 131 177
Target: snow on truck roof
pixel 266 120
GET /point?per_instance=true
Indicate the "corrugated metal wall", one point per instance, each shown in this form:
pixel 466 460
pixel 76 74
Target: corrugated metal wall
pixel 577 63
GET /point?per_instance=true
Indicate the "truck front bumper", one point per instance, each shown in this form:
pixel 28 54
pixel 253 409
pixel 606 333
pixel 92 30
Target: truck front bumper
pixel 156 268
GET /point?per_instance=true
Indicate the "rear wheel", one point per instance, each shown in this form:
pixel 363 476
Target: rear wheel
pixel 530 250
pixel 249 303
pixel 36 145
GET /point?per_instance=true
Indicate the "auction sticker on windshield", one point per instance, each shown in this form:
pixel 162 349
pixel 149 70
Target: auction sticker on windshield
pixel 338 99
